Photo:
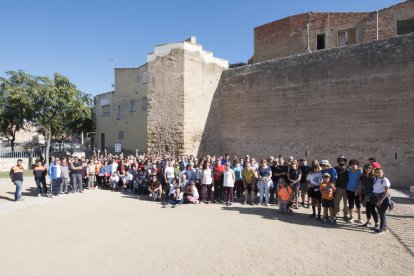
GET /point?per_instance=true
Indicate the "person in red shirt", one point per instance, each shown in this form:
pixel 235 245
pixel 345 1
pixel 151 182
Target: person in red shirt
pixel 218 170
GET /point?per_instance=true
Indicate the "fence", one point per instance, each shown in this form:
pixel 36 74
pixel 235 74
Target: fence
pixel 31 153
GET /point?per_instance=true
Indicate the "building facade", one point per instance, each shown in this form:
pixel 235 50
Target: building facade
pixel 314 31
pixel 121 115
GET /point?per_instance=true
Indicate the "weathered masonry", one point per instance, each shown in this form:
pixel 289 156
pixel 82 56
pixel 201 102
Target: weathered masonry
pixel 356 100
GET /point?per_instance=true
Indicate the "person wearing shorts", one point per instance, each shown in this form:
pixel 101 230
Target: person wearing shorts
pixel 314 179
pixel 327 189
pixel 352 189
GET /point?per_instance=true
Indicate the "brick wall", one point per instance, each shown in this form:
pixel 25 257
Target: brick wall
pixel 297 34
pixel 355 100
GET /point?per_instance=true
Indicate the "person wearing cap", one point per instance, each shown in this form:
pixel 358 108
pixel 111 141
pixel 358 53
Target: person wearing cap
pixel 327 189
pixel 314 179
pixel 16 176
pixel 340 184
pixel 352 189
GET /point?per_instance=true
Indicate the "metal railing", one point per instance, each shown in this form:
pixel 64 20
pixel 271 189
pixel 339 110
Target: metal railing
pixel 34 153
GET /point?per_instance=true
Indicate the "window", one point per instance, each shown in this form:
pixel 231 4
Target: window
pixel 118 112
pixel 320 41
pixel 346 37
pixel 120 135
pixel 105 110
pixel 144 103
pixel 405 26
pixel 133 106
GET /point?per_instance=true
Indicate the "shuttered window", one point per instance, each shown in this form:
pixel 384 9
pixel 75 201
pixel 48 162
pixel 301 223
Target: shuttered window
pixel 405 26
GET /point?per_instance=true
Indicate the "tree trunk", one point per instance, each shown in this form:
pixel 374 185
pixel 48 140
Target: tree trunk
pixel 12 143
pixel 49 140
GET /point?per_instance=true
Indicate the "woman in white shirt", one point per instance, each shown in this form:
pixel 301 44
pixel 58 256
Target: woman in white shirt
pixel 380 198
pixel 229 179
pixel 206 182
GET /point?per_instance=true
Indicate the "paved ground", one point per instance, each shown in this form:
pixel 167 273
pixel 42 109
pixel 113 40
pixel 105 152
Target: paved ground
pixel 105 233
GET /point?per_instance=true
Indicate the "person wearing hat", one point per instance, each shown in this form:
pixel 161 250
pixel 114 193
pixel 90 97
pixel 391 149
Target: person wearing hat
pixel 340 184
pixel 327 189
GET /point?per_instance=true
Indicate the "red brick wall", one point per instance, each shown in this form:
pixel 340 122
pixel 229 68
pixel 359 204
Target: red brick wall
pixel 289 36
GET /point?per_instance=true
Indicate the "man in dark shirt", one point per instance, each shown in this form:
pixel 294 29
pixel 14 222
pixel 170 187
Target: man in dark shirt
pixel 305 168
pixel 16 175
pixel 76 169
pixel 341 182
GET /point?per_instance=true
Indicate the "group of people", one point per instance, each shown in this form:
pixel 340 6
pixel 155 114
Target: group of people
pixel 289 183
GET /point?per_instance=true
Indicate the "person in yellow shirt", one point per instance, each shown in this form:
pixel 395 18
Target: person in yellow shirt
pixel 249 180
pixel 327 189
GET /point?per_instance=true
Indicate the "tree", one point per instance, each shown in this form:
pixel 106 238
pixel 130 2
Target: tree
pixel 15 104
pixel 58 107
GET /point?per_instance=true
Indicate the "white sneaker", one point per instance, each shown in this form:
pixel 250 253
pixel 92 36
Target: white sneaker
pixel 39 195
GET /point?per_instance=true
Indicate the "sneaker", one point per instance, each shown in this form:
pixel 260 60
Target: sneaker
pixel 366 224
pixel 267 205
pixel 245 203
pixel 319 217
pixel 333 221
pixel 325 220
pixel 39 195
pixel 313 215
pixel 358 221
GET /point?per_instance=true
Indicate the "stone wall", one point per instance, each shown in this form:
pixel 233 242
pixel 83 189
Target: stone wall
pixel 165 114
pixel 183 80
pixel 356 100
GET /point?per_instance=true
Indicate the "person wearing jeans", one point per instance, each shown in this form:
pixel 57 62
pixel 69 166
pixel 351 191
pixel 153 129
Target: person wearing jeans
pixel 55 174
pixel 380 198
pixel 16 175
pixel 264 174
pixel 76 168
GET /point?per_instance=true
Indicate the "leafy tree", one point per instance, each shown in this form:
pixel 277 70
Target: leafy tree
pixel 15 104
pixel 59 107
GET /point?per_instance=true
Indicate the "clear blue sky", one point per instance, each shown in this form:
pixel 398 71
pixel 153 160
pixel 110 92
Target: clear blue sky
pixel 77 38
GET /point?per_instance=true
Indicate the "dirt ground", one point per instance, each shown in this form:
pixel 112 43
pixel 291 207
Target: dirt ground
pixel 111 233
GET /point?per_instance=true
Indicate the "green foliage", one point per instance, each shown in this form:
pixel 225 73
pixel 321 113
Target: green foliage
pixel 15 103
pixel 55 105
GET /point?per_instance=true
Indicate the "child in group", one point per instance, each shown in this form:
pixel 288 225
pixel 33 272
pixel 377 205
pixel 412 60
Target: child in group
pixel 327 189
pixel 175 197
pixel 114 181
pixel 191 193
pixel 285 197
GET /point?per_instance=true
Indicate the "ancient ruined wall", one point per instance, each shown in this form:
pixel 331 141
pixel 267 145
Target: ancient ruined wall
pixel 356 100
pixel 165 114
pixel 201 78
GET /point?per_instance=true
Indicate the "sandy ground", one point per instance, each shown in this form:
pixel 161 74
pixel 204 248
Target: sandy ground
pixel 105 233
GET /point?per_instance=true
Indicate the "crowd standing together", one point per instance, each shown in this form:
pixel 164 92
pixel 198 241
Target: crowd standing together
pixel 218 179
